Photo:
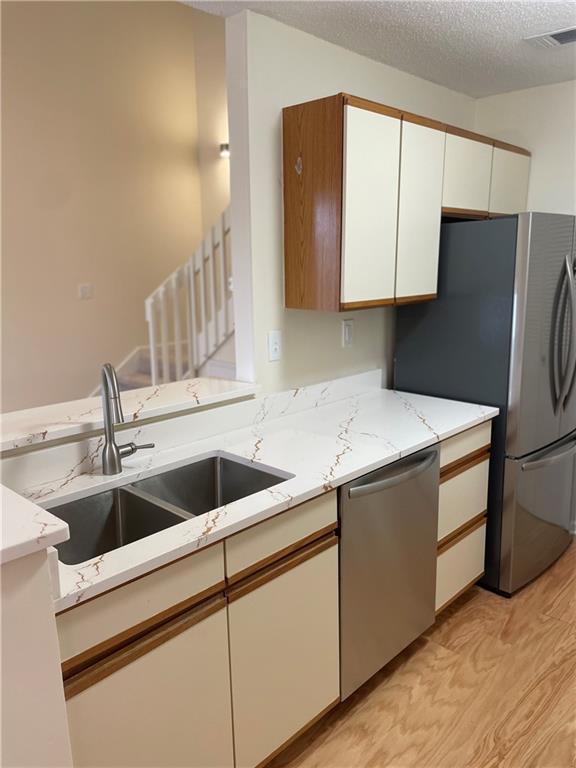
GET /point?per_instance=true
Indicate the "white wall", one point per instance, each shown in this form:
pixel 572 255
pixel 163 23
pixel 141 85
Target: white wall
pixel 270 66
pixel 543 120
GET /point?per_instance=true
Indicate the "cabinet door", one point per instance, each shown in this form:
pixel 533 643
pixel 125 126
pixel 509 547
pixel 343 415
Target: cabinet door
pixel 467 168
pixel 370 206
pixel 420 210
pixel 284 655
pixel 169 706
pixel 509 185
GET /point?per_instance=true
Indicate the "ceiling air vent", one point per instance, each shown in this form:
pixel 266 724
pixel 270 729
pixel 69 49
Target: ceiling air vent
pixel 553 39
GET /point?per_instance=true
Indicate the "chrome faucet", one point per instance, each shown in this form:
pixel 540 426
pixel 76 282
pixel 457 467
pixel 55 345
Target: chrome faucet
pixel 113 454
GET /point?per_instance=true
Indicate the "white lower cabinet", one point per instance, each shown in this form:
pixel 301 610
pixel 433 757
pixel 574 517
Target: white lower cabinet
pixel 169 706
pixel 460 565
pixel 284 652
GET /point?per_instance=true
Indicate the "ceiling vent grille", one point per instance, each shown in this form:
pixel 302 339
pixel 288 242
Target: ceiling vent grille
pixel 553 39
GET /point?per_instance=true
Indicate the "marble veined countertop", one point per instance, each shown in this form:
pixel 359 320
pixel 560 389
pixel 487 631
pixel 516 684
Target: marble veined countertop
pixel 323 445
pixel 20 429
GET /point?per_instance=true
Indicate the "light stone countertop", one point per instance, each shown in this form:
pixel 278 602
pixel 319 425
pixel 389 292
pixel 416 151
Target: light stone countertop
pixel 322 443
pixel 20 429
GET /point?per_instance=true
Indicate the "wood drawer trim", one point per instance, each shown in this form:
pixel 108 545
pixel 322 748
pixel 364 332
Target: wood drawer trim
pixel 460 592
pixel 280 554
pixel 466 462
pixel 464 134
pixel 512 148
pixel 282 566
pixel 372 106
pixel 460 532
pixel 140 647
pixel 96 653
pixel 427 122
pixel 348 305
pixel 463 532
pixel 465 213
pixel 417 298
pixel 298 733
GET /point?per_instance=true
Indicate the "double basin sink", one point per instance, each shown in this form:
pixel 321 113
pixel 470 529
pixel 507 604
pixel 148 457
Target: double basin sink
pixel 109 520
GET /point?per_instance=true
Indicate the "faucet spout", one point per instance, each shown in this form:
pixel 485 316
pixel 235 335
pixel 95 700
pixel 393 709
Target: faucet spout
pixel 112 454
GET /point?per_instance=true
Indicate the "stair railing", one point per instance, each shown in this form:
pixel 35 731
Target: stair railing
pixel 190 314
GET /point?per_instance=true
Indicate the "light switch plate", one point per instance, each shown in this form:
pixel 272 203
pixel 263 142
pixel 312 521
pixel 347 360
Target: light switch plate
pixel 274 346
pixel 347 333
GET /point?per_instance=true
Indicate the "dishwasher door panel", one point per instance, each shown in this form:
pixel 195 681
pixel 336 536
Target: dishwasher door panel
pixel 389 522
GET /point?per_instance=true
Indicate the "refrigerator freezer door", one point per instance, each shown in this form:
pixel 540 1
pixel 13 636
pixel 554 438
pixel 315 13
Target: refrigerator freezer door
pixel 568 346
pixel 541 334
pixel 538 506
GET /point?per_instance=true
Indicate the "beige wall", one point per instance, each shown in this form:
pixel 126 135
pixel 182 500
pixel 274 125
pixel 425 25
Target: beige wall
pixel 101 183
pixel 269 66
pixel 542 119
pixel 210 59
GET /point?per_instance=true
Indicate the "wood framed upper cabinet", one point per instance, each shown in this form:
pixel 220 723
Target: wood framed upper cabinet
pixel 341 163
pixel 467 171
pixel 419 210
pixel 369 207
pixel 284 651
pixel 164 700
pixel 509 184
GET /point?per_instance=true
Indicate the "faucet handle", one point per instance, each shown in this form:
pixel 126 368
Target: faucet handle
pixel 129 449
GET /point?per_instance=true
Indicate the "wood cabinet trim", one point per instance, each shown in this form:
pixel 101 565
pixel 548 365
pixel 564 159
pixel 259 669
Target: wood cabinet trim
pixel 427 122
pixel 464 134
pixel 280 554
pixel 460 592
pixel 349 305
pixel 95 653
pixel 460 532
pixel 464 213
pixel 372 106
pixel 511 148
pixel 298 733
pixel 416 299
pixel 313 154
pixel 240 589
pixel 466 462
pixel 463 533
pixel 115 661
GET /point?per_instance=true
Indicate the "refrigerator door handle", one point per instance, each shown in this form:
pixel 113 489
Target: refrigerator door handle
pixel 571 362
pixel 552 458
pixel 571 370
pixel 389 482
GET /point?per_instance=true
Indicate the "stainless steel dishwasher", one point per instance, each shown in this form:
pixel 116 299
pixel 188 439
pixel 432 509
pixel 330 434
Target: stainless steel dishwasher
pixel 388 532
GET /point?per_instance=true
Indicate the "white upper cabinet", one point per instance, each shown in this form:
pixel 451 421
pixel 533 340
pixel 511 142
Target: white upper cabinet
pixel 420 210
pixel 467 169
pixel 509 186
pixel 370 205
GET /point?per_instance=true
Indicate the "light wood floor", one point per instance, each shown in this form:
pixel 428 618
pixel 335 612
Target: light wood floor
pixel 491 685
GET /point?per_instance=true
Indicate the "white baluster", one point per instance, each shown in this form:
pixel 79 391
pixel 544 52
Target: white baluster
pixel 164 336
pixel 175 297
pixel 190 316
pixel 201 332
pixel 220 283
pixel 150 310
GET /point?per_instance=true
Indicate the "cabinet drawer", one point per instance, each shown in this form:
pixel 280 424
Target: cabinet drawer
pixel 462 498
pixel 108 618
pixel 456 448
pixel 250 550
pixel 460 565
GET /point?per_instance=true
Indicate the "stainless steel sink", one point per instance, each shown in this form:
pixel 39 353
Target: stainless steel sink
pixel 109 520
pixel 209 483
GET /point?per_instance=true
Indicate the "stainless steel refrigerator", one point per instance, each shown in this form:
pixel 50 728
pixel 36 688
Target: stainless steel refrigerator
pixel 503 332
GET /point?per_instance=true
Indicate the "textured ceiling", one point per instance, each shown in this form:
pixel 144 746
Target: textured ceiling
pixel 471 46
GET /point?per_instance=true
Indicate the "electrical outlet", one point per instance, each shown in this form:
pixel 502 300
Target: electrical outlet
pixel 347 333
pixel 274 345
pixel 85 291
